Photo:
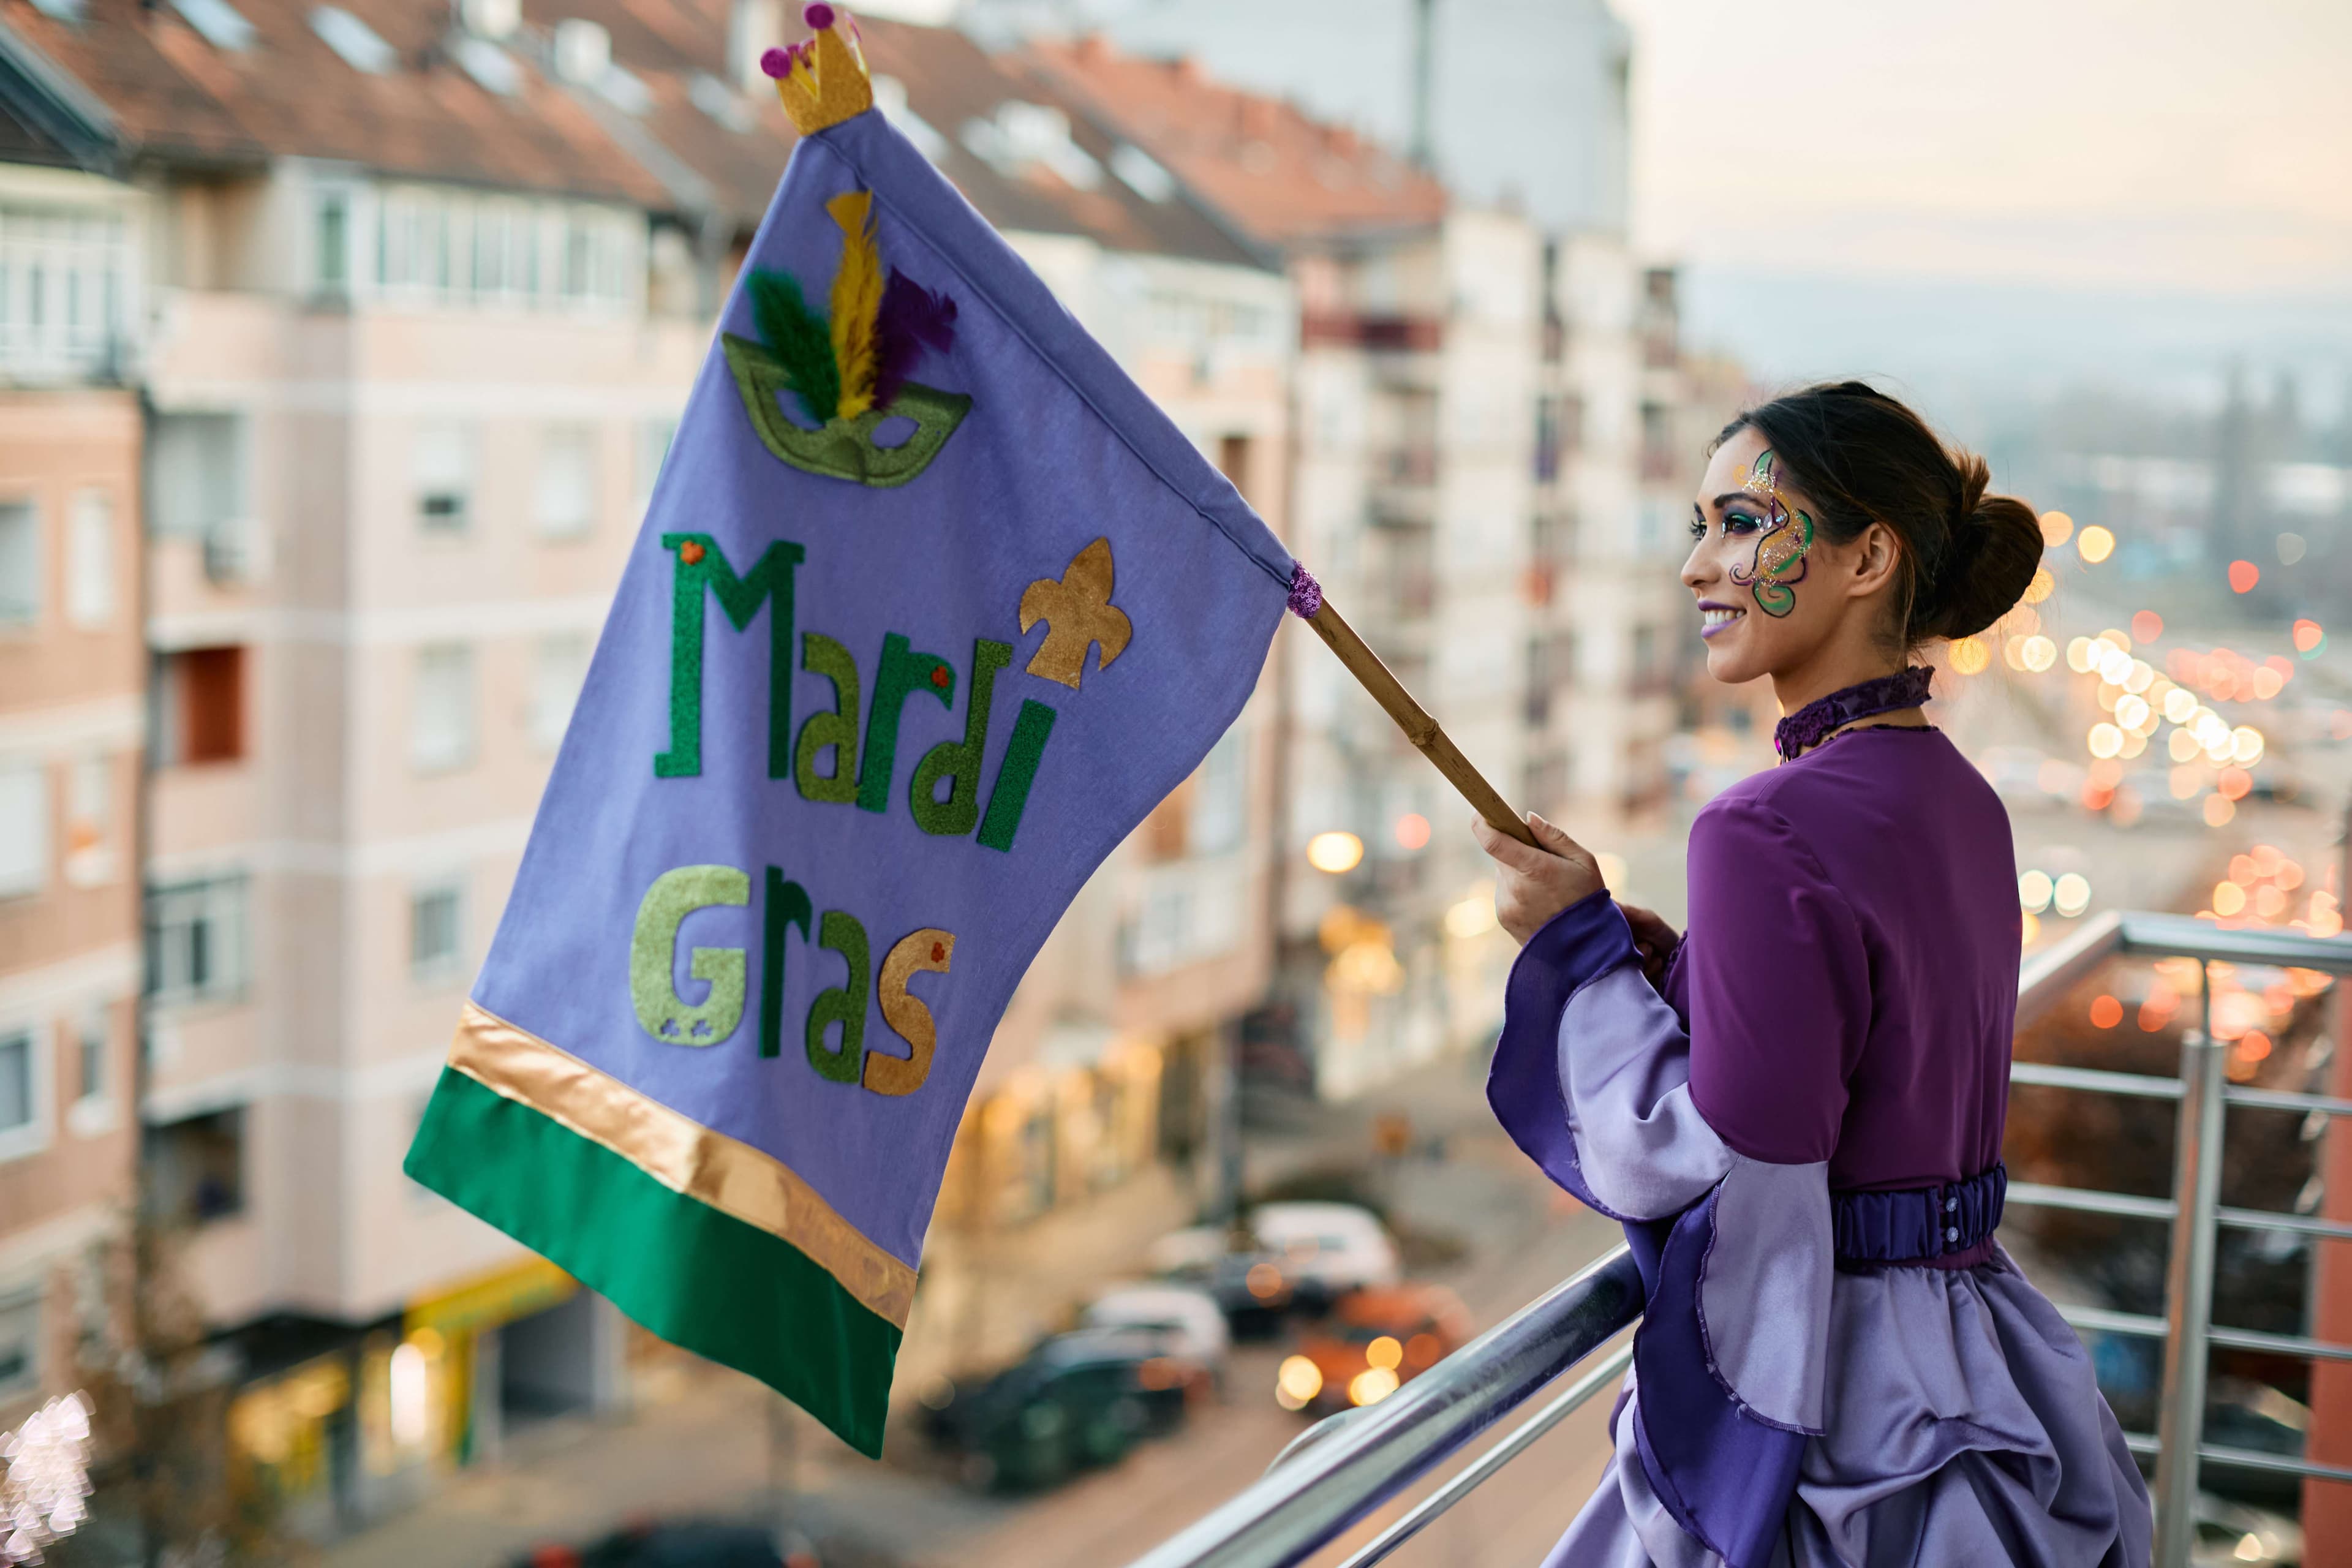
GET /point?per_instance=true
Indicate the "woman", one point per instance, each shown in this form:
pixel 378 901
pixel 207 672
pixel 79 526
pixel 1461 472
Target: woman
pixel 1796 1110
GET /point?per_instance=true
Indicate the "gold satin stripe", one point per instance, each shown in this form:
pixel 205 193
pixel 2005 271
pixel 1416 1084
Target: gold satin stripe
pixel 680 1153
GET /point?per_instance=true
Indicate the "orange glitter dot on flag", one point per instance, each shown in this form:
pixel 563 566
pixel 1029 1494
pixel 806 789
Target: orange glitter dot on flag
pixel 2243 575
pixel 690 553
pixel 940 675
pixel 938 952
pixel 2106 1013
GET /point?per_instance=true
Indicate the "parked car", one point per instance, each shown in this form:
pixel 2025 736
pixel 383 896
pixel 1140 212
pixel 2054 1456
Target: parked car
pixel 1286 1254
pixel 1371 1343
pixel 1332 1248
pixel 1076 1400
pixel 676 1544
pixel 2240 1413
pixel 2233 1534
pixel 1190 1325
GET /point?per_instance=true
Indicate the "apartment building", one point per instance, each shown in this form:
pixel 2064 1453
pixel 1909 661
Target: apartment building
pixel 1611 632
pixel 415 296
pixel 72 668
pixel 1412 491
pixel 390 287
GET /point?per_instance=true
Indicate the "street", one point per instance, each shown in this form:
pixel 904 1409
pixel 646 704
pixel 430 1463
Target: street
pixel 704 1441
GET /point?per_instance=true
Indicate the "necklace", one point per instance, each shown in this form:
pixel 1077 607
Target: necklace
pixel 1885 694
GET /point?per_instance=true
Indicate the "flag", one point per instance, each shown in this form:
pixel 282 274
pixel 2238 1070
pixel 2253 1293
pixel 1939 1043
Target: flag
pixel 932 605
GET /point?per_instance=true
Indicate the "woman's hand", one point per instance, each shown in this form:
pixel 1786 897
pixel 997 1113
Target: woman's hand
pixel 1653 938
pixel 1533 885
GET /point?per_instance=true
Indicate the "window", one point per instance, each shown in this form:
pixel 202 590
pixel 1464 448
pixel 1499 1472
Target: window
pixel 564 501
pixel 579 258
pixel 23 1092
pixel 198 707
pixel 90 846
pixel 20 564
pixel 24 830
pixel 441 726
pixel 195 474
pixel 20 1342
pixel 489 251
pixel 223 26
pixel 197 939
pixel 353 39
pixel 559 669
pixel 334 242
pixel 1233 462
pixel 63 277
pixel 196 1167
pixel 653 437
pixel 434 938
pixel 1220 816
pixel 89 1049
pixel 89 558
pixel 444 472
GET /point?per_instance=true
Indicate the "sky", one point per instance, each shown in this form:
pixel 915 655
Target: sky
pixel 2139 191
pixel 1977 200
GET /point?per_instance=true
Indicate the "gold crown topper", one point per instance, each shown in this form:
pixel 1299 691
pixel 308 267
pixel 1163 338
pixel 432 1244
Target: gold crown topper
pixel 822 79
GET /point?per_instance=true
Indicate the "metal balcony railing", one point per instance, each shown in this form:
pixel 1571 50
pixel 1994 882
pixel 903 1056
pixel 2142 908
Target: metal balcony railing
pixel 1342 1469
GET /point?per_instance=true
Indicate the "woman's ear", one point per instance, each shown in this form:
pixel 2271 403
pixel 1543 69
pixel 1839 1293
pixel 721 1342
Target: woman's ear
pixel 1877 555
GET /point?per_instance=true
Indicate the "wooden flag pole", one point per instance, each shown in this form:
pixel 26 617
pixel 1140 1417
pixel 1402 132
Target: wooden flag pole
pixel 1428 737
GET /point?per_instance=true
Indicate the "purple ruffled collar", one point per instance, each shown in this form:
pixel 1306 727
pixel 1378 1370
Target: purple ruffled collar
pixel 1886 694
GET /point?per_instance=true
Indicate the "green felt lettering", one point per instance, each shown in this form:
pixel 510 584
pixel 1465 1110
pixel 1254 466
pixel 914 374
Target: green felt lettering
pixel 653 954
pixel 786 904
pixel 957 762
pixel 835 726
pixel 700 565
pixel 904 672
pixel 844 1004
pixel 1009 795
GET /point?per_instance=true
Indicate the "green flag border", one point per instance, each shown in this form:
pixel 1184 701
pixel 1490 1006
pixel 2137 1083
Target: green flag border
pixel 698 1278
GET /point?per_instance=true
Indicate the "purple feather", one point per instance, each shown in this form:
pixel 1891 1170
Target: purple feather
pixel 911 319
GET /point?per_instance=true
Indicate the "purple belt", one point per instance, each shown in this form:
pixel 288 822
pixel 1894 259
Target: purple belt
pixel 1914 1224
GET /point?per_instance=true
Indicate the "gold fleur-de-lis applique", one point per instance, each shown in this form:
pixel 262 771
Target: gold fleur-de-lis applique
pixel 1077 612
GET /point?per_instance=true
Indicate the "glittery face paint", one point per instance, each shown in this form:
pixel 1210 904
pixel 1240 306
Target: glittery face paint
pixel 1780 549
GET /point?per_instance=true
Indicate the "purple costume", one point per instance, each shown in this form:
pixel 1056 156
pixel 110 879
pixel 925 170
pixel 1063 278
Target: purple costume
pixel 1838 1363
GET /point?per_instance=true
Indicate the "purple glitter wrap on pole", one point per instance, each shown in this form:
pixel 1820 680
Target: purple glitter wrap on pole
pixel 1305 593
pixel 1808 724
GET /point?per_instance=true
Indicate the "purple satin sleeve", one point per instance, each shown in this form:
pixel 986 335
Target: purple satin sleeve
pixel 1524 1085
pixel 1590 1078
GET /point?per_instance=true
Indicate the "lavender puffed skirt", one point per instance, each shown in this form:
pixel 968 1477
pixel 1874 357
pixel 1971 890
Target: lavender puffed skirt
pixel 1962 1426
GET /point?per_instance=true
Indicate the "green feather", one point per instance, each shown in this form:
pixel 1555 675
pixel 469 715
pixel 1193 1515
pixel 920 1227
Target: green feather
pixel 801 340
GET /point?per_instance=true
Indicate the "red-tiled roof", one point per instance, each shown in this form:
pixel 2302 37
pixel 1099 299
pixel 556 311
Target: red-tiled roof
pixel 949 81
pixel 1280 175
pixel 176 97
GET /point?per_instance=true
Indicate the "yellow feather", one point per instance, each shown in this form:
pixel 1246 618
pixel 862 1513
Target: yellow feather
pixel 857 299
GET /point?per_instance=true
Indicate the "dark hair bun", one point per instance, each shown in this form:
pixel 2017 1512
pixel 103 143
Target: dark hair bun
pixel 1996 547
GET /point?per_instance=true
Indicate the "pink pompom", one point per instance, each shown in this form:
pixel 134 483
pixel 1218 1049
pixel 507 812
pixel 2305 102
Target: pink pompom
pixel 775 62
pixel 817 15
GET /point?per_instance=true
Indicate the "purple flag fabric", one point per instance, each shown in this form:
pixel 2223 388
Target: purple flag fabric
pixel 877 694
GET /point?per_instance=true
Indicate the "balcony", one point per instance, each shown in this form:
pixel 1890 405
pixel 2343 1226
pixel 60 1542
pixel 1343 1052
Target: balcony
pixel 1343 1469
pixel 1390 333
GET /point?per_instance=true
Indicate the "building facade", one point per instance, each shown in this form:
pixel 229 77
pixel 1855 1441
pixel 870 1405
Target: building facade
pixel 72 671
pixel 411 299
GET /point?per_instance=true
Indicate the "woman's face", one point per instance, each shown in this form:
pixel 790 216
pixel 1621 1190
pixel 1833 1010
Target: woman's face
pixel 1757 570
